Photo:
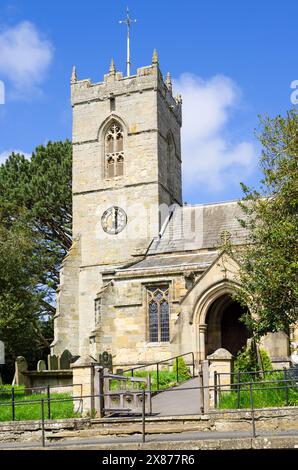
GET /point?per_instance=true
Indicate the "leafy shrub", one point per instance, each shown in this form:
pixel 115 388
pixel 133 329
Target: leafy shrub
pixel 267 365
pixel 247 361
pixel 183 372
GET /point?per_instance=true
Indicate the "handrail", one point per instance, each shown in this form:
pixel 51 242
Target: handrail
pixel 160 362
pixel 272 371
pixel 150 364
pixel 123 378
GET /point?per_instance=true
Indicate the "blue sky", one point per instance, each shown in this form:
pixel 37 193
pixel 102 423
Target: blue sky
pixel 230 60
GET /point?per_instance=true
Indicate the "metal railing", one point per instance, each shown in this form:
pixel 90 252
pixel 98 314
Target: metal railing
pixel 46 389
pixel 174 359
pixel 251 409
pixel 239 386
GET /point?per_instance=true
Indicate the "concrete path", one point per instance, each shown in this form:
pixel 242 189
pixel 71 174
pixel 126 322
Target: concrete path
pixel 177 402
pixel 232 439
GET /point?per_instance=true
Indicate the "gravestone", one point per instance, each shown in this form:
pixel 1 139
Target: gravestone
pixel 106 361
pixel 52 362
pixel 41 366
pixel 2 358
pixel 21 367
pixel 2 353
pixel 65 360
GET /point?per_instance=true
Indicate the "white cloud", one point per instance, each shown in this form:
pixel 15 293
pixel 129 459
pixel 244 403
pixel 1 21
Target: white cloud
pixel 24 57
pixel 209 158
pixel 4 155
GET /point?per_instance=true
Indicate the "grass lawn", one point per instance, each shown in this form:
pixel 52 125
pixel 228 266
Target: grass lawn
pixel 264 394
pixel 25 410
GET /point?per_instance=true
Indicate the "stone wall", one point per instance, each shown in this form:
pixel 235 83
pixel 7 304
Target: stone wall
pixel 124 329
pixel 273 421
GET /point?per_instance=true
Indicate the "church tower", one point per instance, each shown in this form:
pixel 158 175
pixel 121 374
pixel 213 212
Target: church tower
pixel 126 175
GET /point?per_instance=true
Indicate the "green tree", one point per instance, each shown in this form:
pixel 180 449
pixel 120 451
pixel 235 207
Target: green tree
pixel 35 234
pixel 268 264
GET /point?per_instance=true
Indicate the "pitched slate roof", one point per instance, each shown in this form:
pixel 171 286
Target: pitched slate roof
pixel 192 237
pixel 199 260
pixel 196 227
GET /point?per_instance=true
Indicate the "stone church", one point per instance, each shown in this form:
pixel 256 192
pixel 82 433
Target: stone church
pixel 146 277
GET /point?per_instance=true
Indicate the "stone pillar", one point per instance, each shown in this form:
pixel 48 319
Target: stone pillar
pixel 221 361
pixel 83 384
pixel 202 340
pixel 205 383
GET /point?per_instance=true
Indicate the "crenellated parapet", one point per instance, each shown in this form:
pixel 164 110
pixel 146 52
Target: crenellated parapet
pixel 115 84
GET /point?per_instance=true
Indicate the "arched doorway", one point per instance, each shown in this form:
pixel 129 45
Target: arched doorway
pixel 223 326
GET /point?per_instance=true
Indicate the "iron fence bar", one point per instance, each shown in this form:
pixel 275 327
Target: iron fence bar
pixel 42 423
pixel 212 412
pixel 252 410
pixel 78 398
pixel 161 362
pixel 150 394
pixel 193 364
pixel 286 388
pixel 177 369
pixel 43 387
pixel 49 401
pixel 215 389
pixel 238 390
pixel 12 404
pixel 157 376
pixel 143 417
pixel 158 390
pixel 272 371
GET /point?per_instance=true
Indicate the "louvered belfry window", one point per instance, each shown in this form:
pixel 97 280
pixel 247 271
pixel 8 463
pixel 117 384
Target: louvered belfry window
pixel 114 154
pixel 158 313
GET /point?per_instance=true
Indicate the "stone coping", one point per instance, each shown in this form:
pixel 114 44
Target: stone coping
pixel 48 373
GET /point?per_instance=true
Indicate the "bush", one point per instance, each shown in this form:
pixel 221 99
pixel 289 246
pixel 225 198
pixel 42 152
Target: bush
pixel 266 363
pixel 183 372
pixel 247 361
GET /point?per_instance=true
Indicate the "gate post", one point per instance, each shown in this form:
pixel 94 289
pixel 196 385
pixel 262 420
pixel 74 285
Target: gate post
pixel 83 384
pixel 221 363
pixel 205 376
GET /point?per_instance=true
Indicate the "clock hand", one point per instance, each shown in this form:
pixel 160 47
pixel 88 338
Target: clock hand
pixel 116 219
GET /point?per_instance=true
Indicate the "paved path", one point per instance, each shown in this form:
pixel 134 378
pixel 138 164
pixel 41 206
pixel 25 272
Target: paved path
pixel 177 402
pixel 106 442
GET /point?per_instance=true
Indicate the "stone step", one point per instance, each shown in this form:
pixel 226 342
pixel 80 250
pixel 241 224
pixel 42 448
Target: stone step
pixel 125 431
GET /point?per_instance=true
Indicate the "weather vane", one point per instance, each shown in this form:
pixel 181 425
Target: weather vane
pixel 128 22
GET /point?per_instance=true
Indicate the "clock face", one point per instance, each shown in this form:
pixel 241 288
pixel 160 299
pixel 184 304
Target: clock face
pixel 113 220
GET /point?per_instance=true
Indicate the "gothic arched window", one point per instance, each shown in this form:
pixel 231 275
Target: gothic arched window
pixel 114 155
pixel 158 313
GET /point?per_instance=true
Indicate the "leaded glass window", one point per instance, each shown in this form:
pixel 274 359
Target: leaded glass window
pixel 97 311
pixel 158 313
pixel 114 155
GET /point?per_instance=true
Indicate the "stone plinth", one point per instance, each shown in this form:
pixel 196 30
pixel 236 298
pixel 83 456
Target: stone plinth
pixel 221 363
pixel 83 384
